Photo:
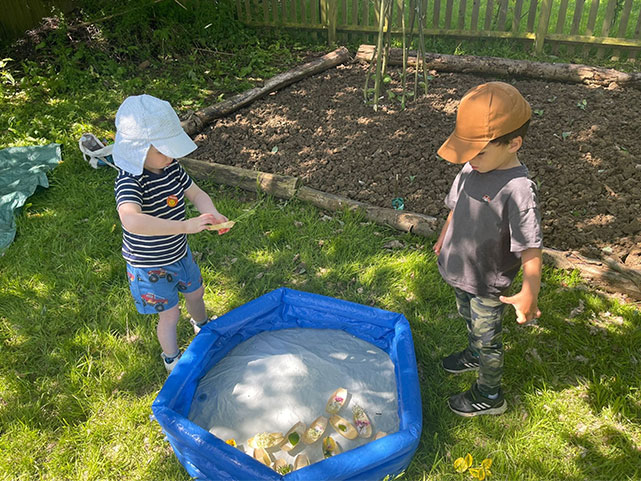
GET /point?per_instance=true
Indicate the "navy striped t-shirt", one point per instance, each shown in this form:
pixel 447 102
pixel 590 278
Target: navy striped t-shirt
pixel 160 195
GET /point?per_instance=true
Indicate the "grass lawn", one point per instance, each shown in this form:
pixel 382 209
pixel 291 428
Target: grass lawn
pixel 80 368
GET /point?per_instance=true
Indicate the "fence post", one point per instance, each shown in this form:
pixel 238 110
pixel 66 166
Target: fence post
pixel 542 27
pixel 332 18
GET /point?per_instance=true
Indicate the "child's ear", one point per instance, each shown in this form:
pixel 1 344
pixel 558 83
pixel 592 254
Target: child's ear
pixel 515 144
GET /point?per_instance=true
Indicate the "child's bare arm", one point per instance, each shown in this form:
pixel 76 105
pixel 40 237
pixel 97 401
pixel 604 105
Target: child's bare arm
pixel 439 241
pixel 525 302
pixel 204 204
pixel 134 221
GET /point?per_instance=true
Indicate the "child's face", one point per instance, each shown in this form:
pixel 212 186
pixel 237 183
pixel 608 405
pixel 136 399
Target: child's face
pixel 156 161
pixel 497 156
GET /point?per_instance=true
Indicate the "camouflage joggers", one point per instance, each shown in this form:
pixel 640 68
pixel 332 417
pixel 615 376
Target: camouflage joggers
pixel 483 316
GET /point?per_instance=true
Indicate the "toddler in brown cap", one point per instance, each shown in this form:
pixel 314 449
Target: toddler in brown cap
pixel 493 228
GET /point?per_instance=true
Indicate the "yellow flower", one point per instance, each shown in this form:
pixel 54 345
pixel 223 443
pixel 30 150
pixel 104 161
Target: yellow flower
pixel 485 464
pixel 231 442
pixel 462 464
pixel 478 473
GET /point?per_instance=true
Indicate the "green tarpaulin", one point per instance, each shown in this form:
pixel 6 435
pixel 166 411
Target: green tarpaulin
pixel 22 170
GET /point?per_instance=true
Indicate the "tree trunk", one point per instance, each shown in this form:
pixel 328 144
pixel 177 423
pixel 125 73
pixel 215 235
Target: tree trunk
pixel 199 119
pixel 562 72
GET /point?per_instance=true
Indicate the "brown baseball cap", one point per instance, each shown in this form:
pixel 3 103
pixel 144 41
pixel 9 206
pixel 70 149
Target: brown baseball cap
pixel 486 112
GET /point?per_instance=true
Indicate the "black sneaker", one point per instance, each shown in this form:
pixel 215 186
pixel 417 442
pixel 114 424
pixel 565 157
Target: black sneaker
pixel 473 403
pixel 461 362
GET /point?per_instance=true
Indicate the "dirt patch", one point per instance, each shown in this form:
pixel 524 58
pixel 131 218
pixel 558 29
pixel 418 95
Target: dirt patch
pixel 582 150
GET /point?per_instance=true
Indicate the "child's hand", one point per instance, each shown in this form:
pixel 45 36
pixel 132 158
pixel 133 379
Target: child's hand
pixel 525 306
pixel 200 223
pixel 221 219
pixel 437 247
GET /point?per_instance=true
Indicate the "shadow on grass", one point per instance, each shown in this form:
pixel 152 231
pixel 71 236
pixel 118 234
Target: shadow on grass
pixel 72 331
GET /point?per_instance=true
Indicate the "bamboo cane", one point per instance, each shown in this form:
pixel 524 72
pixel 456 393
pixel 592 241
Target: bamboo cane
pixel 379 54
pixel 403 74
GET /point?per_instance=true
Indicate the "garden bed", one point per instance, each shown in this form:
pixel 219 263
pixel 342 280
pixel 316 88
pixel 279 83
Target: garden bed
pixel 581 150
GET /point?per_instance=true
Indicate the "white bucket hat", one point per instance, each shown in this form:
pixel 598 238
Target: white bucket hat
pixel 142 121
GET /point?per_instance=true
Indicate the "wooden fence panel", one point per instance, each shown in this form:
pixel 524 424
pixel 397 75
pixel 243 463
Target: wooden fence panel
pixel 365 13
pixel 437 14
pixel 573 24
pixel 502 15
pixel 462 8
pixel 475 14
pixel 560 22
pixel 594 10
pixel 489 11
pixel 516 20
pixel 531 16
pixel 400 12
pixel 623 23
pixel 354 20
pixel 576 22
pixel 607 24
pixel 448 14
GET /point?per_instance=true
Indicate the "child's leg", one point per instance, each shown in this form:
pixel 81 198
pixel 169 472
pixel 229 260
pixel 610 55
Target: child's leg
pixel 196 305
pixel 166 330
pixel 486 339
pixel 463 307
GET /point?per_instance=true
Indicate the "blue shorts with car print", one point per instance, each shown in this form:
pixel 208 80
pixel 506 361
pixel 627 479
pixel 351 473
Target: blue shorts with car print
pixel 155 289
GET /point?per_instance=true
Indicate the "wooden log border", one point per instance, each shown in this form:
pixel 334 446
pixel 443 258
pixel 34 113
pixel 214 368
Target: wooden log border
pixel 562 72
pixel 287 187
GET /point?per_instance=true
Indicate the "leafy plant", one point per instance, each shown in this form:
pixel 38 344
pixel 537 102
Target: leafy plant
pixel 5 74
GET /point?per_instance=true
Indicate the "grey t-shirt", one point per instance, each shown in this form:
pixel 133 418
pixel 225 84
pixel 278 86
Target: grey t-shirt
pixel 496 217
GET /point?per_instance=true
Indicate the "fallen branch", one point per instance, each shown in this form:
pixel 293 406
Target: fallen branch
pixel 283 186
pixel 286 187
pixel 608 273
pixel 197 120
pixel 562 72
pixel 405 221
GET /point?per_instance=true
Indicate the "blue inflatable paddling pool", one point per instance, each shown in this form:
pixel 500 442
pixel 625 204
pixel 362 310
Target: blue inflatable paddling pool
pixel 205 456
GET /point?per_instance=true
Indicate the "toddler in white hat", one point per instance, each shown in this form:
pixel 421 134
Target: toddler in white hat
pixel 151 188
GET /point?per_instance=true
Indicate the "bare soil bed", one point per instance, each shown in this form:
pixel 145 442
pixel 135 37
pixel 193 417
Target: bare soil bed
pixel 582 150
